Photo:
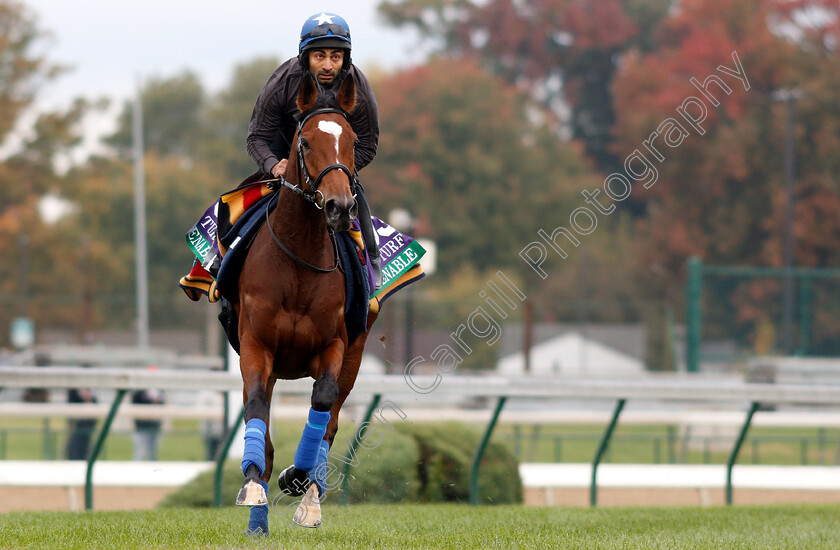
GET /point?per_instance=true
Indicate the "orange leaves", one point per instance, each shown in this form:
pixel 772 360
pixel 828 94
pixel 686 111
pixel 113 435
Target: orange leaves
pixel 460 149
pixel 599 24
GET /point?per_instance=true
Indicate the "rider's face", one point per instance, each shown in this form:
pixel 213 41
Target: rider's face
pixel 325 64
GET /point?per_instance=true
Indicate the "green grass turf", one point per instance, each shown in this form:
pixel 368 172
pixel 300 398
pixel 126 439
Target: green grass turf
pixel 806 527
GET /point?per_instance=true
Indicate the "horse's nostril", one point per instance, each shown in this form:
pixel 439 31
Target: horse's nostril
pixel 331 208
pixel 354 210
pixel 337 208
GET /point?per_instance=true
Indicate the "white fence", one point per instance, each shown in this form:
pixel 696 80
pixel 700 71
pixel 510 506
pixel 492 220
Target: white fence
pixel 698 390
pixel 681 388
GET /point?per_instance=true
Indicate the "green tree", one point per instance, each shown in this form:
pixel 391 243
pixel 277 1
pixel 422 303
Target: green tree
pixel 227 116
pixel 23 69
pixel 29 247
pixel 176 195
pixel 172 117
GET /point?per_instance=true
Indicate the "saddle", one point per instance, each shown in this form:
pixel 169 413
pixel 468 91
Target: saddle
pixel 221 238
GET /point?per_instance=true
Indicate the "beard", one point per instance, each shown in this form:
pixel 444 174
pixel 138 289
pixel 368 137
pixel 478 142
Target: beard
pixel 327 85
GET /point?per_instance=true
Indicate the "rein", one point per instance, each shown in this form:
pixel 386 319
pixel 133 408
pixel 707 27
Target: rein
pixel 291 254
pixel 298 190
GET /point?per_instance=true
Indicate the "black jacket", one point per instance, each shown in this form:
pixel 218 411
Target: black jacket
pixel 273 126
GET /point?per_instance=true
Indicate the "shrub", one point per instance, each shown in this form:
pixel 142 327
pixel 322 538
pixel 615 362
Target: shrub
pixel 446 452
pixel 385 473
pixel 416 462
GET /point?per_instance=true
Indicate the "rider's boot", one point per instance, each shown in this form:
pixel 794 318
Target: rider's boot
pixel 369 236
pixel 227 317
pixel 376 264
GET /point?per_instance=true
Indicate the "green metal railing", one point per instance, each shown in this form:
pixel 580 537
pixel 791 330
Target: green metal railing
pixel 822 442
pixel 694 293
pixel 602 447
pixel 821 448
pixel 734 455
pixel 479 451
pixel 97 447
pixel 822 439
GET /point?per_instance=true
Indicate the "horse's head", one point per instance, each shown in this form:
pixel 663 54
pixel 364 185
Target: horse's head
pixel 325 149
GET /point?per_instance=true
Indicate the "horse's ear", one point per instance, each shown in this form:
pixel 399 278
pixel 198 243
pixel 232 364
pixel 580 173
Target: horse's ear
pixel 307 95
pixel 346 95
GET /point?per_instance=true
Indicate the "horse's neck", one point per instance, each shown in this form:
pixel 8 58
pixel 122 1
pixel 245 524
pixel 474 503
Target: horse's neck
pixel 303 226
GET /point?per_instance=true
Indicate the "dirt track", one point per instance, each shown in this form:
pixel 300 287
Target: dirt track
pixel 18 499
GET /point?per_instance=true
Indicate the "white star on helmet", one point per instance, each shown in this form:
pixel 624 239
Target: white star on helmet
pixel 323 18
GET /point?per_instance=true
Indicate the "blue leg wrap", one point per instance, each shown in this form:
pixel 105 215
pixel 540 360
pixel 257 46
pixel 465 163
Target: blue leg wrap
pixel 259 516
pixel 254 445
pixel 310 441
pixel 319 473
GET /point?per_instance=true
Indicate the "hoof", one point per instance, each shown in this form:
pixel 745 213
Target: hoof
pixel 293 482
pixel 251 494
pixel 308 513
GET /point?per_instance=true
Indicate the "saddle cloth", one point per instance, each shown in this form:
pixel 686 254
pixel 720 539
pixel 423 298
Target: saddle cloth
pixel 222 236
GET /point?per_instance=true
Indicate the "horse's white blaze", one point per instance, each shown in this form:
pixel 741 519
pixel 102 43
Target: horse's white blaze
pixel 333 129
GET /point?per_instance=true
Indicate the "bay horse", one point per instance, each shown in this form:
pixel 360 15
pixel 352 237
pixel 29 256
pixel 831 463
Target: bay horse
pixel 291 303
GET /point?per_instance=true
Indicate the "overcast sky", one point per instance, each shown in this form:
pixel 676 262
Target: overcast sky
pixel 111 43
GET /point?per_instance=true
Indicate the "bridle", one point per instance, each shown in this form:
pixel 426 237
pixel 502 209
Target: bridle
pixel 311 194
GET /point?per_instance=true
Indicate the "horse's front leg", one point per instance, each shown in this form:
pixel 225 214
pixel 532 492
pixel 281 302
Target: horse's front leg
pixel 257 460
pixel 313 449
pixel 347 377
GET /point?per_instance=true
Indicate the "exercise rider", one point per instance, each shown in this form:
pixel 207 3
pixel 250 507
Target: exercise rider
pixel 323 53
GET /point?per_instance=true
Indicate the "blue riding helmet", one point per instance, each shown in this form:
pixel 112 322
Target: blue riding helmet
pixel 324 30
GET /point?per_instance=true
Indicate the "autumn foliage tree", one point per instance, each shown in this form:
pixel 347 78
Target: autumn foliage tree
pixel 721 196
pixel 26 172
pixel 458 150
pixel 522 103
pixel 564 52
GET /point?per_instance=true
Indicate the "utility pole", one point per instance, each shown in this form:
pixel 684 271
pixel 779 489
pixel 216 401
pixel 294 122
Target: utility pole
pixel 141 262
pixel 789 97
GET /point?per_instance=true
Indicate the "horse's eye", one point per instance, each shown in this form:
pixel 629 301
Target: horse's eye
pixel 305 144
